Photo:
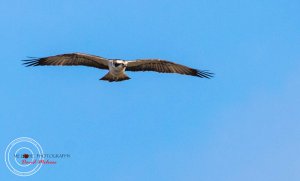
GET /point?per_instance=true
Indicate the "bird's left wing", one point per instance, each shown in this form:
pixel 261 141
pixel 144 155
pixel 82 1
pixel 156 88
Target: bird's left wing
pixel 164 66
pixel 69 60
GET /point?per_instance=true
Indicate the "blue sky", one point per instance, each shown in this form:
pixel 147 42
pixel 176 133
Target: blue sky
pixel 241 125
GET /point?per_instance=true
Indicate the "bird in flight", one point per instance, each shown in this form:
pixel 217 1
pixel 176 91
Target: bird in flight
pixel 116 67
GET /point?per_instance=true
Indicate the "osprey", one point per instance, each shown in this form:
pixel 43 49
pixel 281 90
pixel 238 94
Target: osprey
pixel 117 67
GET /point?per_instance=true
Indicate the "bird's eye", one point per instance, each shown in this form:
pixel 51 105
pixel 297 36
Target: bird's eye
pixel 117 64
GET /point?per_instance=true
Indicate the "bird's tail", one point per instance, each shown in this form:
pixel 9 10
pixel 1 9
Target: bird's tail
pixel 109 77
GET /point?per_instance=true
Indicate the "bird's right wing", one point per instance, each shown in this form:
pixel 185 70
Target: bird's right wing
pixel 71 59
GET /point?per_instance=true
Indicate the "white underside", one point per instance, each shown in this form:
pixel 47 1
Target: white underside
pixel 116 71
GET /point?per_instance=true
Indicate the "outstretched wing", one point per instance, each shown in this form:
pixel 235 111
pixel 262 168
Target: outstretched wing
pixel 163 66
pixel 69 60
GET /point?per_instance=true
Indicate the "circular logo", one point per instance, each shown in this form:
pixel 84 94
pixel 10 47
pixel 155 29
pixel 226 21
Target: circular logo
pixel 21 156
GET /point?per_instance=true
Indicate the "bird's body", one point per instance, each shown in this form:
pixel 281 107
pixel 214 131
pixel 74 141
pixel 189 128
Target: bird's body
pixel 116 71
pixel 117 67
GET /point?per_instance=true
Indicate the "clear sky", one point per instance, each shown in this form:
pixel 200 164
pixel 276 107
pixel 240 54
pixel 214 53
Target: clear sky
pixel 242 125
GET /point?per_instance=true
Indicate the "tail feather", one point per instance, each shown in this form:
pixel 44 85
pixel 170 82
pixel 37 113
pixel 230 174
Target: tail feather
pixel 109 77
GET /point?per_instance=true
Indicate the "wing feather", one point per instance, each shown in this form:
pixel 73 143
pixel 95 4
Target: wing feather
pixel 71 59
pixel 164 66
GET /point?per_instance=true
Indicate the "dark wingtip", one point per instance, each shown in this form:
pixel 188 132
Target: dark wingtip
pixel 205 74
pixel 31 62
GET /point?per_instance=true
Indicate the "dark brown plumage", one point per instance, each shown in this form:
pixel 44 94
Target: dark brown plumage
pixel 117 67
pixel 164 66
pixel 71 59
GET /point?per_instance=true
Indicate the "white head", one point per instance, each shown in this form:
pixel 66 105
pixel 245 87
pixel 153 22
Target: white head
pixel 119 63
